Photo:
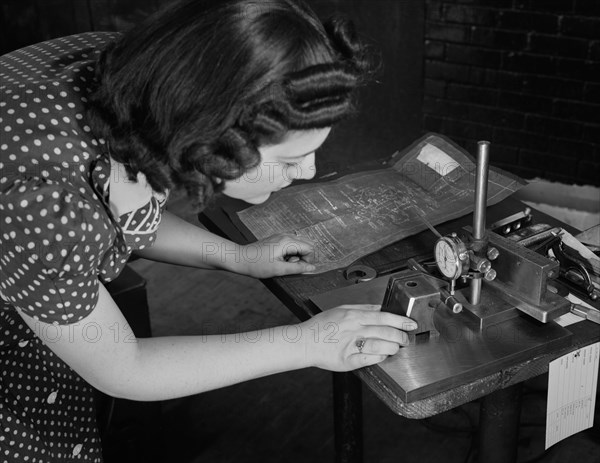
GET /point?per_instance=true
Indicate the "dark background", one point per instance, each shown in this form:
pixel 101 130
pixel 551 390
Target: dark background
pixel 523 74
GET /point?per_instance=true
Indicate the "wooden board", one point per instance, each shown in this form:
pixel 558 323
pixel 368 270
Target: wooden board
pixel 460 354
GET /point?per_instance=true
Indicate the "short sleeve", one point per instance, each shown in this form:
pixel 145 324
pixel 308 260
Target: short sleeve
pixel 51 242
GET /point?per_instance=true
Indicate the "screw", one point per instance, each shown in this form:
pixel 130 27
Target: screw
pixel 490 274
pixel 492 253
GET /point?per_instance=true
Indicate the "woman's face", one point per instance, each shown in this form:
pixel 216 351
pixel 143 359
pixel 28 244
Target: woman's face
pixel 281 164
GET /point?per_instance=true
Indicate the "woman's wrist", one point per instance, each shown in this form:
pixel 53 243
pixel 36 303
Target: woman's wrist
pixel 221 254
pixel 311 337
pixel 234 259
pixel 298 346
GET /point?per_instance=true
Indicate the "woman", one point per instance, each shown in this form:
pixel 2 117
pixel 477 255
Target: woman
pixel 213 96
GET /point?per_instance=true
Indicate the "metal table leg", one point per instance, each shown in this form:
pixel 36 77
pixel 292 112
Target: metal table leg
pixel 347 409
pixel 499 425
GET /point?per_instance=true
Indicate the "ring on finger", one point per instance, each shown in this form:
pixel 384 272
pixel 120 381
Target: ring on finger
pixel 360 344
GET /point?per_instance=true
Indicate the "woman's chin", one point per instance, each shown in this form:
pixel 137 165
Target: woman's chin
pixel 257 199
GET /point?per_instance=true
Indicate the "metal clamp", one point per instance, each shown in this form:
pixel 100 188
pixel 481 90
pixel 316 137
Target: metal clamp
pixel 573 272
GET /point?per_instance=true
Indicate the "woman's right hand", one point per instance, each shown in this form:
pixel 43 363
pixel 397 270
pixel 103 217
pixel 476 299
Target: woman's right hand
pixel 333 337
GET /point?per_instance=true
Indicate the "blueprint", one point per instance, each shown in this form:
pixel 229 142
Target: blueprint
pixel 360 213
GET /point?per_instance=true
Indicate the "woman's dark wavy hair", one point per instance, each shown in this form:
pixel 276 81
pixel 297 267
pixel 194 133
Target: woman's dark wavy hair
pixel 187 96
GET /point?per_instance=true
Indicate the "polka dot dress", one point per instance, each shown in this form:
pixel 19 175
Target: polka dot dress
pixel 58 239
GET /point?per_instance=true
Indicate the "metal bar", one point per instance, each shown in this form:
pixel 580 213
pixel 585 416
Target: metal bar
pixel 413 264
pixel 499 425
pixel 427 222
pixel 523 270
pixel 347 414
pixel 483 164
pixel 450 301
pixel 475 298
pixel 481 183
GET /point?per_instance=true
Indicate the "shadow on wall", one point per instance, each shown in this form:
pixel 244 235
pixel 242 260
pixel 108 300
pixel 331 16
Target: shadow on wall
pixel 31 21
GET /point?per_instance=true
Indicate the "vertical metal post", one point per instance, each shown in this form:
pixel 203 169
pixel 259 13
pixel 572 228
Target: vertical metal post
pixel 347 409
pixel 481 184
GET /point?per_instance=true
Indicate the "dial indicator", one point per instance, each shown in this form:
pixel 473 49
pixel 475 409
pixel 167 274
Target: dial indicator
pixel 447 251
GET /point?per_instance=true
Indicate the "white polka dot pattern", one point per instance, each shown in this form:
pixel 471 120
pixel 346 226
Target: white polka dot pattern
pixel 46 409
pixel 58 240
pixel 50 258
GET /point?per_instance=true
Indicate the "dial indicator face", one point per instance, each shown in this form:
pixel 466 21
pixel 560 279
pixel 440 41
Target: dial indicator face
pixel 447 258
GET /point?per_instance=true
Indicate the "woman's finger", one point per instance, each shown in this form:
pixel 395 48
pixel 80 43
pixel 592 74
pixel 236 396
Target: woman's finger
pixel 374 346
pixel 369 307
pixel 294 267
pixel 390 319
pixel 297 248
pixel 385 333
pixel 370 314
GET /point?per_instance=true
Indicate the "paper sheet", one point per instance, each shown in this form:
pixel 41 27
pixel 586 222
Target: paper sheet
pixel 570 318
pixel 360 213
pixel 572 383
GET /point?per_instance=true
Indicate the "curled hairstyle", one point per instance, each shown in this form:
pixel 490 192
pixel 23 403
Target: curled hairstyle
pixel 189 95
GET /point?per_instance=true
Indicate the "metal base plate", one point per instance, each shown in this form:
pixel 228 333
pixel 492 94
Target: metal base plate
pixel 463 352
pixel 553 306
pixel 490 311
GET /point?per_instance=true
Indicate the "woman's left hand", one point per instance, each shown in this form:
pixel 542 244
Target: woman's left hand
pixel 278 255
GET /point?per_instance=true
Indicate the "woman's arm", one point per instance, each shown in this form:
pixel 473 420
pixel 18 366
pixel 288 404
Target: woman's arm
pixel 180 242
pixel 102 349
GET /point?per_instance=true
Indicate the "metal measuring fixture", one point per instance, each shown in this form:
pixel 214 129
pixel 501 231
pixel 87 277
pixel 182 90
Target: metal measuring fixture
pixel 503 277
pixel 470 258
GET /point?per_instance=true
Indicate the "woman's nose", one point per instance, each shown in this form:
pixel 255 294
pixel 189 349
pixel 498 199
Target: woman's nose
pixel 307 168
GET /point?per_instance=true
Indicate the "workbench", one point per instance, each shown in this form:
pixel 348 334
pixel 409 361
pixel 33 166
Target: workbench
pixel 499 392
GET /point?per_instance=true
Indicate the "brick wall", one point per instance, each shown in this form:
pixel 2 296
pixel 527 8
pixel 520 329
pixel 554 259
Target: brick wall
pixel 523 74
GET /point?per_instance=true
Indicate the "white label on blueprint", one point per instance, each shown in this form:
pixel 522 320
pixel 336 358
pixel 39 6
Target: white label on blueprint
pixel 436 159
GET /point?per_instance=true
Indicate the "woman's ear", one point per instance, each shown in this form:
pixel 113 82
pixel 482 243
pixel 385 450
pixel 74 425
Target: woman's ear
pixel 218 180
